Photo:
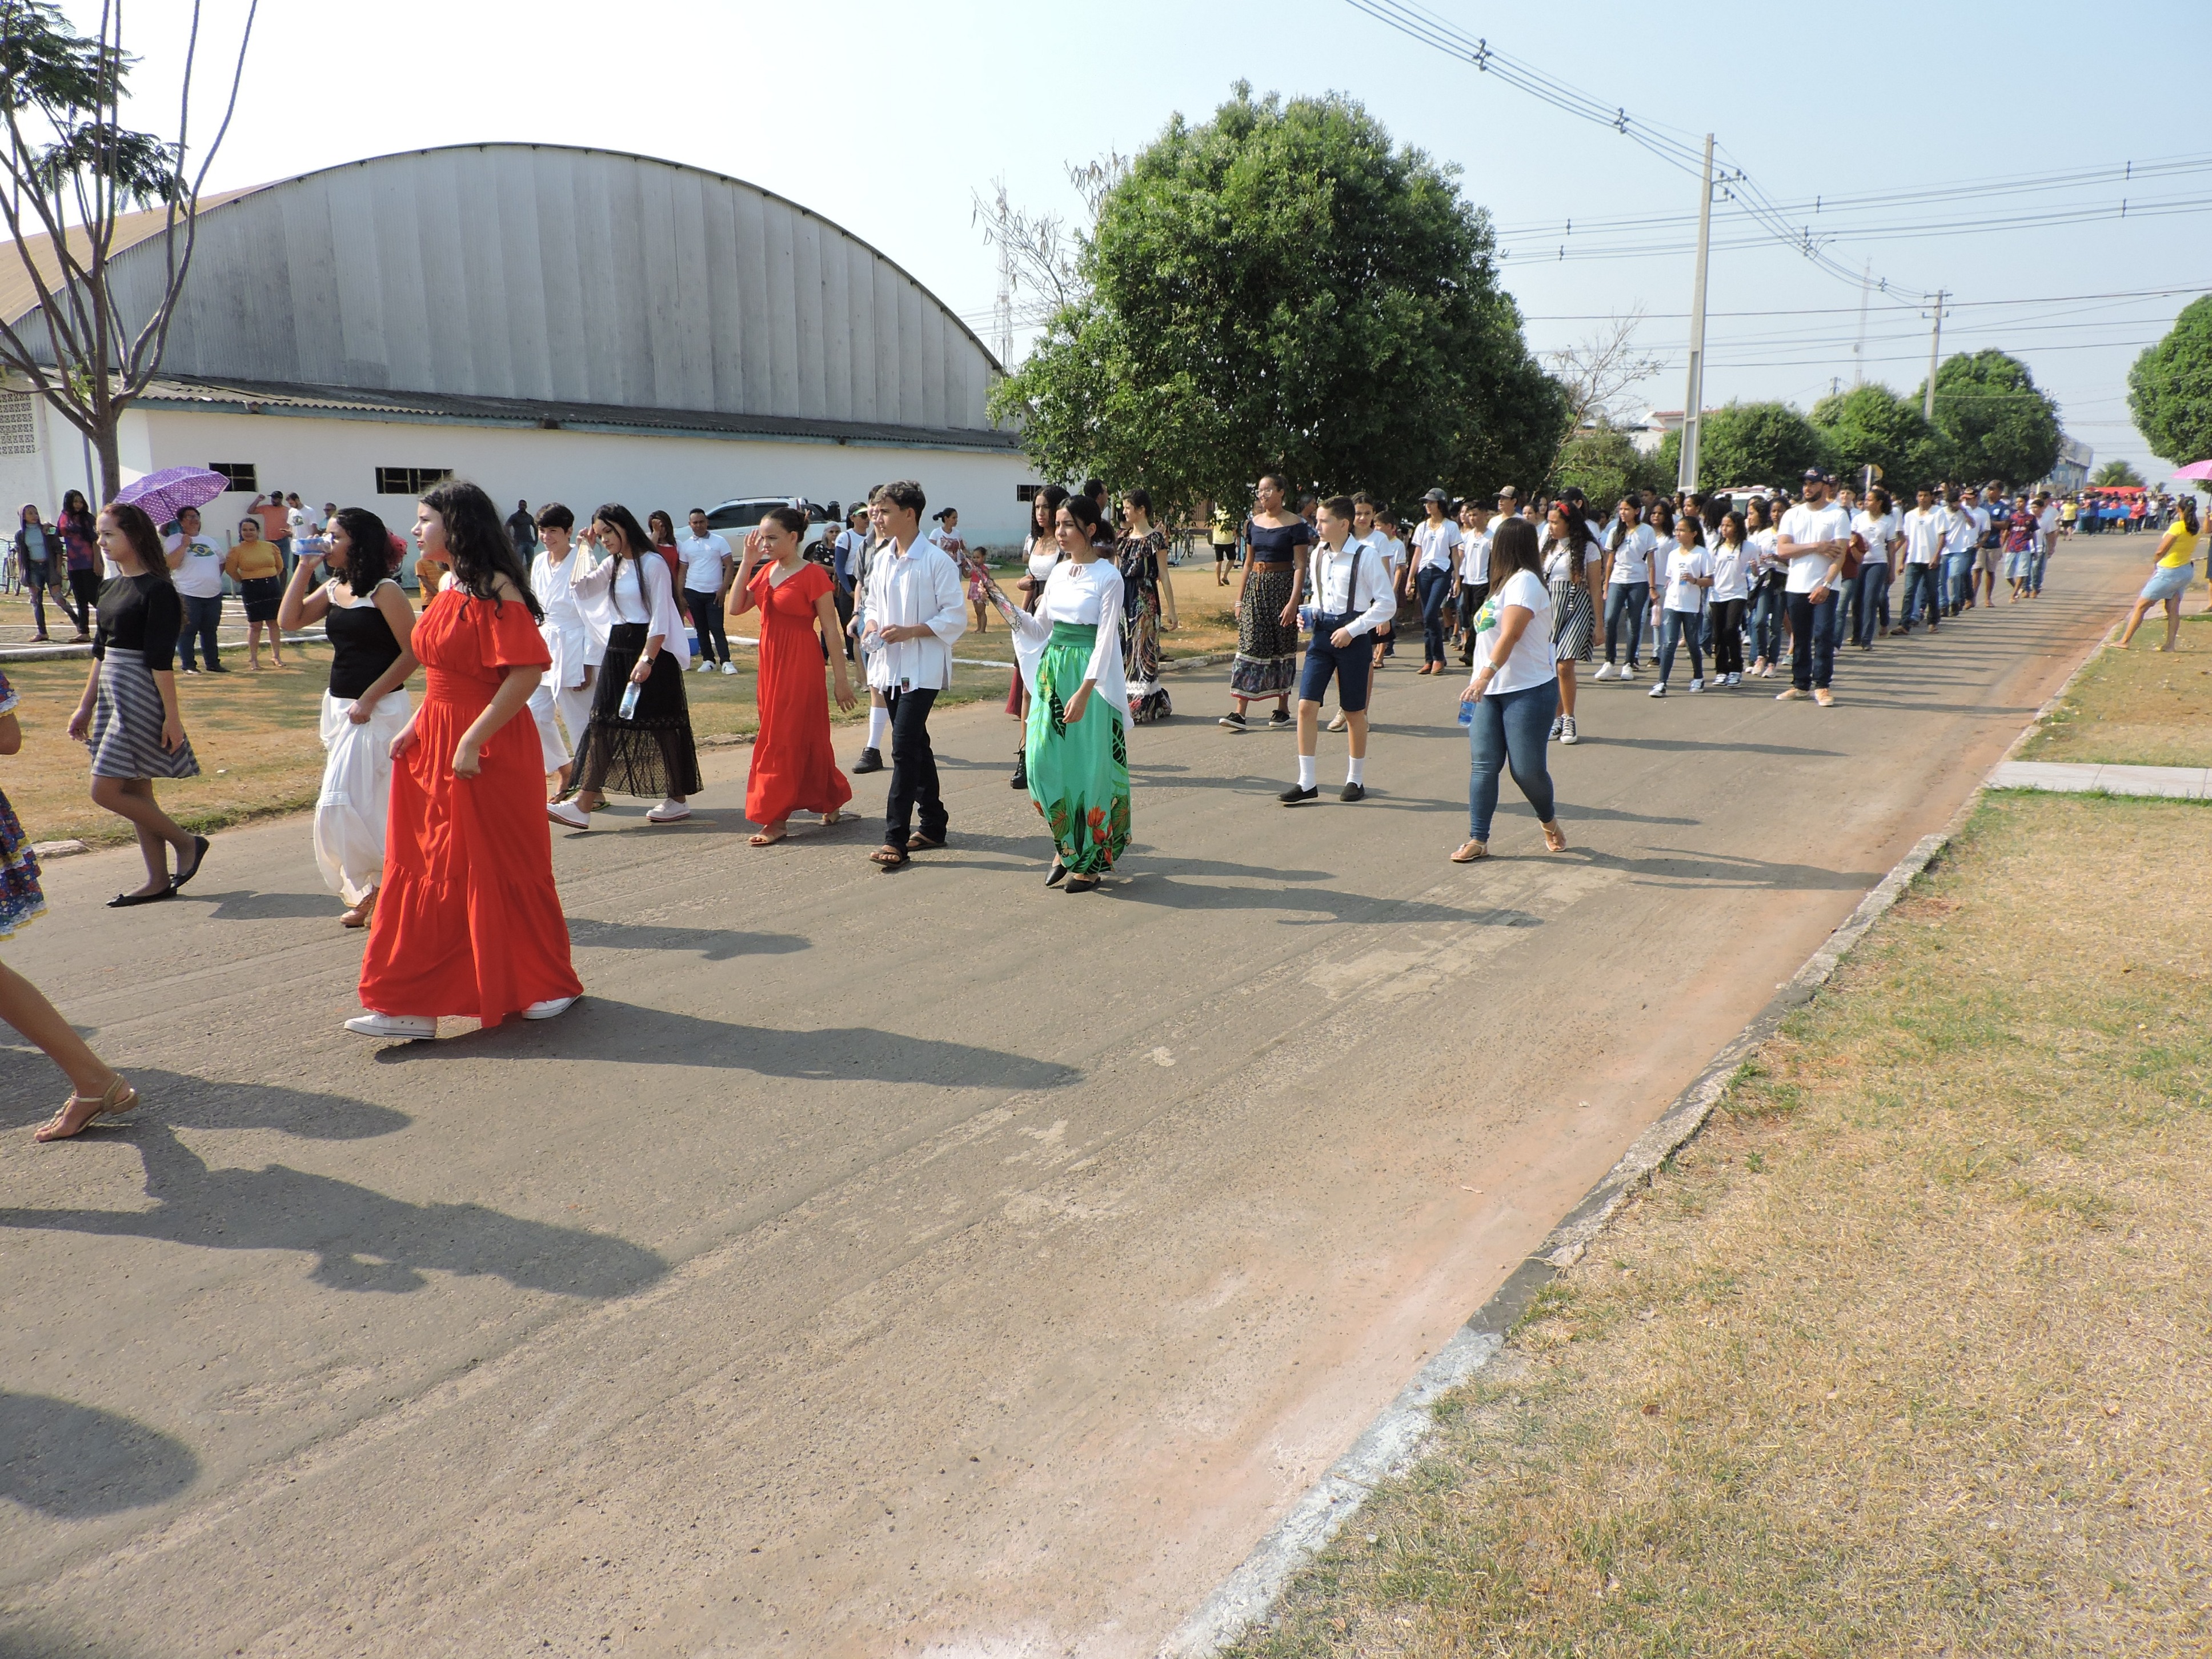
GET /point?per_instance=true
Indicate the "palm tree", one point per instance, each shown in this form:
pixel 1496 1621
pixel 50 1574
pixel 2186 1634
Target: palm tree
pixel 2116 475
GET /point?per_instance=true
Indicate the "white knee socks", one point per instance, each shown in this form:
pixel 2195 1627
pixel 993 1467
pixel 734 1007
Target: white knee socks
pixel 1308 775
pixel 879 722
pixel 1359 766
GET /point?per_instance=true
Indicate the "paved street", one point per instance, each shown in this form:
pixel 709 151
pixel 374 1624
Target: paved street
pixel 874 1264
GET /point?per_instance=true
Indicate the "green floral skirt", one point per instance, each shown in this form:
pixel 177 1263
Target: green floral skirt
pixel 1079 774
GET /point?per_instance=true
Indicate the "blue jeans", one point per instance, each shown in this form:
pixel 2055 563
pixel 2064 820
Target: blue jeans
pixel 1873 585
pixel 1625 601
pixel 1767 611
pixel 1958 578
pixel 1680 628
pixel 2035 571
pixel 1510 729
pixel 1812 640
pixel 1921 584
pixel 1434 586
pixel 202 618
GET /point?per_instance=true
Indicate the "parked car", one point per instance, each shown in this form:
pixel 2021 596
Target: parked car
pixel 735 519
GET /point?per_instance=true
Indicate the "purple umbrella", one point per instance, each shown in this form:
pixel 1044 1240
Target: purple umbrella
pixel 162 496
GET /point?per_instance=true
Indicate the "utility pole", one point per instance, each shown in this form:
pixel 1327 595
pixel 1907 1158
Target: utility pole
pixel 1694 400
pixel 1858 355
pixel 1934 351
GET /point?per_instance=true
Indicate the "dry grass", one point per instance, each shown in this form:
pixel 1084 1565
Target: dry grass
pixel 2140 707
pixel 256 738
pixel 1907 1354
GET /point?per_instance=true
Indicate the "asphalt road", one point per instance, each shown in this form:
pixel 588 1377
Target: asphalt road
pixel 887 1264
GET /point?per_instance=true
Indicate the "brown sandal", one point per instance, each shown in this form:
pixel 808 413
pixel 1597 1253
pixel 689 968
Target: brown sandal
pixel 890 857
pixel 119 1098
pixel 917 842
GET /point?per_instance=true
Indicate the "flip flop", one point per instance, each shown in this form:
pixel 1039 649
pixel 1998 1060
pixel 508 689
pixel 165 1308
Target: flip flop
pixel 1481 852
pixel 917 842
pixel 199 857
pixel 889 858
pixel 765 840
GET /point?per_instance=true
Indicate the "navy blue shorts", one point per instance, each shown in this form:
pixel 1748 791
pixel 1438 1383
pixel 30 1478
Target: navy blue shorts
pixel 1353 666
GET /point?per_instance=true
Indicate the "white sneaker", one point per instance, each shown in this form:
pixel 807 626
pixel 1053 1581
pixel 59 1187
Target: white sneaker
pixel 1660 689
pixel 702 666
pixel 568 812
pixel 1567 729
pixel 1558 721
pixel 729 668
pixel 1628 670
pixel 669 812
pixel 1607 672
pixel 1696 685
pixel 414 1028
pixel 549 1008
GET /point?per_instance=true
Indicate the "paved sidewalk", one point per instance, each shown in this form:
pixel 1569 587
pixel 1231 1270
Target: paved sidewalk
pixel 2173 782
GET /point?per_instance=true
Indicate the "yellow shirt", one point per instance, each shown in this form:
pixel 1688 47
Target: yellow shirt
pixel 249 561
pixel 2178 549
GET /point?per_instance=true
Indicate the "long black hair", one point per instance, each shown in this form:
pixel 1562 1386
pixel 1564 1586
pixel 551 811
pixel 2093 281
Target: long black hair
pixel 1084 511
pixel 1513 548
pixel 369 557
pixel 145 541
pixel 478 546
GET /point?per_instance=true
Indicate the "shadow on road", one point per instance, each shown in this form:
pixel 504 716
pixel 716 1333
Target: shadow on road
pixel 712 943
pixel 1686 867
pixel 74 1461
pixel 245 904
pixel 361 1239
pixel 624 1034
pixel 1154 883
pixel 27 1076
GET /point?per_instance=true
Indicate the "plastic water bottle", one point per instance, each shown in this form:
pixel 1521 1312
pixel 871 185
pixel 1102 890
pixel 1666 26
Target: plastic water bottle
pixel 1466 713
pixel 628 708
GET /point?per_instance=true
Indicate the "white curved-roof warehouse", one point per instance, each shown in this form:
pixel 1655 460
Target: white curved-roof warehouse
pixel 561 281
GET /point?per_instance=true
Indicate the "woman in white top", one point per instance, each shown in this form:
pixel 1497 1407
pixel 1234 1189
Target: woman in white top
pixel 1689 570
pixel 1877 526
pixel 1628 548
pixel 638 741
pixel 1514 694
pixel 1077 754
pixel 561 705
pixel 1041 553
pixel 371 628
pixel 1729 594
pixel 1571 553
pixel 1766 576
pixel 1473 574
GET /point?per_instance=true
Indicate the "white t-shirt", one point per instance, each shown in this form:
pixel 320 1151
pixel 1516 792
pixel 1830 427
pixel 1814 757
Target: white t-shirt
pixel 1632 560
pixel 702 557
pixel 200 576
pixel 1763 556
pixel 2046 525
pixel 1475 556
pixel 1923 535
pixel 1390 550
pixel 1803 523
pixel 1682 563
pixel 1730 579
pixel 299 523
pixel 1532 661
pixel 1437 542
pixel 1876 534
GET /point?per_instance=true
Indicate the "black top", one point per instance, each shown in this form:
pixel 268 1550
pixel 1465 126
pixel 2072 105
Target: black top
pixel 362 647
pixel 140 613
pixel 522 529
pixel 1277 543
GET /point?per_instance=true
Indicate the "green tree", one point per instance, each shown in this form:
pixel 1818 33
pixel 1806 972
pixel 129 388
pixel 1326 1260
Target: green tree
pixel 1997 425
pixel 1769 444
pixel 2115 474
pixel 1872 426
pixel 1604 464
pixel 1280 287
pixel 2170 388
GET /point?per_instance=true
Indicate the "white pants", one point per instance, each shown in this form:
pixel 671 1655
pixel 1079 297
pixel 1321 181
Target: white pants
pixel 349 812
pixel 572 706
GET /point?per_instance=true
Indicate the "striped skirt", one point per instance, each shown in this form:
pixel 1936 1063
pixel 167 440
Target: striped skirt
pixel 1573 621
pixel 126 723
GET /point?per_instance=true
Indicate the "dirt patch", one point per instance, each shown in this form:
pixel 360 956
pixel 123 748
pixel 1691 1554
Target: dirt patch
pixel 2140 707
pixel 1905 1353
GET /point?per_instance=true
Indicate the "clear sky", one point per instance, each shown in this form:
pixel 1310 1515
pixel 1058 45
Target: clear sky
pixel 888 117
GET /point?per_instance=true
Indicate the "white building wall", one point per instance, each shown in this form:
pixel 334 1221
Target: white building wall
pixel 328 459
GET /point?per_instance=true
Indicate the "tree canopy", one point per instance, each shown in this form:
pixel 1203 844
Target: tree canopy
pixel 1997 425
pixel 1603 461
pixel 1280 288
pixel 2170 388
pixel 1872 426
pixel 1766 443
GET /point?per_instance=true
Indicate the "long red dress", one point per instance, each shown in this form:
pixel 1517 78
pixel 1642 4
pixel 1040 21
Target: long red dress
pixel 469 923
pixel 794 769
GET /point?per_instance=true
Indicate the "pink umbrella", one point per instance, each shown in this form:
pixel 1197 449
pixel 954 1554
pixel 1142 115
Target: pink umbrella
pixel 162 496
pixel 2196 469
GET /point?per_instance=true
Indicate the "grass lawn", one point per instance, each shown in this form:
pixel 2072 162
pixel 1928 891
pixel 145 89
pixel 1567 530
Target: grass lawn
pixel 1907 1353
pixel 2140 707
pixel 256 738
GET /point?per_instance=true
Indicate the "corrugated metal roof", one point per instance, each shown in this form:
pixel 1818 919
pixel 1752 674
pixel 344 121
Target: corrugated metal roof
pixel 19 295
pixel 251 397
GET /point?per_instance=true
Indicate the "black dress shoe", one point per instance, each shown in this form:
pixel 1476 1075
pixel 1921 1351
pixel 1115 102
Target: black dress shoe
pixel 871 760
pixel 199 857
pixel 1058 874
pixel 1353 792
pixel 124 901
pixel 1293 795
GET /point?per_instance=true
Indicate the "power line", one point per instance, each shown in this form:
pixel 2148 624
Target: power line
pixel 1835 311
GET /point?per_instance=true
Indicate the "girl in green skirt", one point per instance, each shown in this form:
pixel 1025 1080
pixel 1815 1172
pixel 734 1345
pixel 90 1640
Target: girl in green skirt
pixel 1077 754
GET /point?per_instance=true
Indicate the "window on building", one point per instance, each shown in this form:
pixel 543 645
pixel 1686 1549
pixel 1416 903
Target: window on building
pixel 409 480
pixel 19 435
pixel 1026 492
pixel 240 474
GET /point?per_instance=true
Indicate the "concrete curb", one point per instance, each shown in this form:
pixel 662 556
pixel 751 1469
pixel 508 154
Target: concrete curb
pixel 1397 1436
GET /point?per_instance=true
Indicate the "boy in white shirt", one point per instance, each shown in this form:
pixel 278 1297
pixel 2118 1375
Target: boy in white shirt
pixel 915 609
pixel 1473 574
pixel 1353 596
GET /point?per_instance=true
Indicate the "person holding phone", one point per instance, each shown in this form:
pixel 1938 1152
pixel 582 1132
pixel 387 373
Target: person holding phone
pixel 794 765
pixel 469 923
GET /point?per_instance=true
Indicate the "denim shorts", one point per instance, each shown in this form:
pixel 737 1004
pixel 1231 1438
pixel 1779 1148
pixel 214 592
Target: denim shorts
pixel 2168 581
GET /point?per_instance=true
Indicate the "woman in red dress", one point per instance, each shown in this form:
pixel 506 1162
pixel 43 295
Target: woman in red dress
pixel 469 923
pixel 794 768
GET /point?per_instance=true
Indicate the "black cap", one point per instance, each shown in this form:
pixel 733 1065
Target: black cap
pixel 1436 495
pixel 1813 475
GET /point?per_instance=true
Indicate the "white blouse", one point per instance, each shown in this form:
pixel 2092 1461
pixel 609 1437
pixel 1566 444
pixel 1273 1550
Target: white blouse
pixel 1087 594
pixel 605 600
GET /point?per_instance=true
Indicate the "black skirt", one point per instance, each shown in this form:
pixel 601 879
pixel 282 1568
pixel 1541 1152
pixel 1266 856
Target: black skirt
pixel 651 754
pixel 262 594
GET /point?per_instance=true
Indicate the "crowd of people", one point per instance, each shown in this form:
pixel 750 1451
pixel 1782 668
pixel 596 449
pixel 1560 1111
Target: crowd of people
pixel 434 821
